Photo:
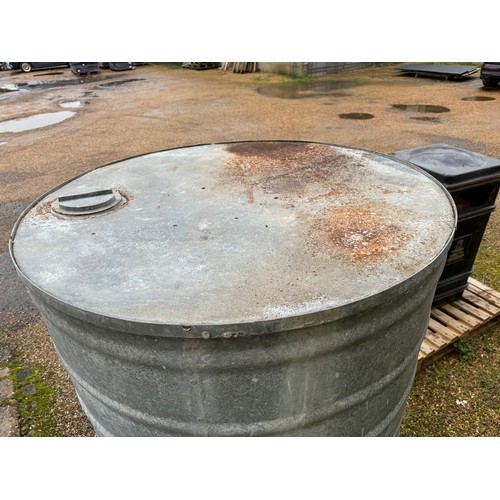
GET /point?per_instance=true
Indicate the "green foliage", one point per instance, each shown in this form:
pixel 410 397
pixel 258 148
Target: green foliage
pixel 440 373
pixel 465 350
pixel 489 377
pixel 291 79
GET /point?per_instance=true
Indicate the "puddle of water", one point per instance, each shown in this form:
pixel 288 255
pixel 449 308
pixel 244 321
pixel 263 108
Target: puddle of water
pixel 421 108
pixel 52 73
pixel 9 87
pixel 310 89
pixel 70 104
pixel 356 116
pixel 2 143
pixel 478 98
pixel 425 118
pixel 120 82
pixel 35 121
pixel 39 85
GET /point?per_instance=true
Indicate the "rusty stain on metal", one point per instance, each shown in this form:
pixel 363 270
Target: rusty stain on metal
pixel 41 213
pixel 364 232
pixel 360 232
pixel 287 168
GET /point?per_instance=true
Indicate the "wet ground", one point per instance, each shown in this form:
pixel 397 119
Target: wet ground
pixel 57 125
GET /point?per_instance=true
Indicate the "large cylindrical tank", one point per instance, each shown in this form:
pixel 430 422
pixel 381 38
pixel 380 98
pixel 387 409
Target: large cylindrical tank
pixel 248 288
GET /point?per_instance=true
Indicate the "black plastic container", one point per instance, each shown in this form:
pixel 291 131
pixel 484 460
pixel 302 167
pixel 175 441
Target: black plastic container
pixel 473 180
pixel 121 66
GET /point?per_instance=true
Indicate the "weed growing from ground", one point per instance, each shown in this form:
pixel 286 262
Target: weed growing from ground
pixel 465 350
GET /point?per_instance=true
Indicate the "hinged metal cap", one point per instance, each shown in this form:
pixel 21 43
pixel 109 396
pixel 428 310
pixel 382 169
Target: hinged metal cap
pixel 92 202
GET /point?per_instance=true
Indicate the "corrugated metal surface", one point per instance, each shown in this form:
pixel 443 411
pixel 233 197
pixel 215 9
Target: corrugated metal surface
pixel 325 68
pixel 311 68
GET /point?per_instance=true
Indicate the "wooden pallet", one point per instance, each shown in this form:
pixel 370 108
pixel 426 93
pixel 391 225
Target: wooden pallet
pixel 479 308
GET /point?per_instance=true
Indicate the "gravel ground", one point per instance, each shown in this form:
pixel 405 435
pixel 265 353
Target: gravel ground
pixel 157 106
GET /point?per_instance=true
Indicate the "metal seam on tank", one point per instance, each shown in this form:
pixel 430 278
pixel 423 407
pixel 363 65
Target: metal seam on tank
pixel 143 358
pixel 277 426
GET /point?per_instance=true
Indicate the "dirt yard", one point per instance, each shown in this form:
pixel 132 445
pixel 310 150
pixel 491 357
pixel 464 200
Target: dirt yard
pixel 115 115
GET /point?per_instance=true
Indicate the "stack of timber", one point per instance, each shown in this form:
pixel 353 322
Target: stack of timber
pixel 476 310
pixel 201 65
pixel 240 67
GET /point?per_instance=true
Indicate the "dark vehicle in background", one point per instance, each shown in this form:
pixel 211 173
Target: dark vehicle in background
pixel 84 68
pixel 29 66
pixel 490 74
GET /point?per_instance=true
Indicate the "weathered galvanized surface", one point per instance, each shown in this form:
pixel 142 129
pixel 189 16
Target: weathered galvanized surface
pixel 256 288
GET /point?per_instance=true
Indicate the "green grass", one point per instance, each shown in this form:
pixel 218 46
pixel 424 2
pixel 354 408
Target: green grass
pixel 465 349
pixel 458 394
pixel 487 266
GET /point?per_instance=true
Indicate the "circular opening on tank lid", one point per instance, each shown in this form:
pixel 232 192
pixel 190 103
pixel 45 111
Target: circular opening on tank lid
pixel 87 203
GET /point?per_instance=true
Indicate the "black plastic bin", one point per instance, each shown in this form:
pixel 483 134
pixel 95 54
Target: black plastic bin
pixel 472 180
pixel 121 66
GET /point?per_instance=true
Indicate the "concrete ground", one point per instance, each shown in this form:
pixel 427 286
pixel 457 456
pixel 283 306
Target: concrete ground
pixel 115 115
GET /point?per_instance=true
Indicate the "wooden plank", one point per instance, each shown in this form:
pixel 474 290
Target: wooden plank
pixel 427 348
pixel 483 287
pixel 460 315
pixel 436 339
pixel 477 310
pixel 484 291
pixel 447 333
pixel 472 310
pixel 440 338
pixel 480 302
pixel 449 321
pixel 485 294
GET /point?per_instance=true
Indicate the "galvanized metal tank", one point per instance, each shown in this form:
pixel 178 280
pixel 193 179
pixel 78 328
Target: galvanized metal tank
pixel 251 288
